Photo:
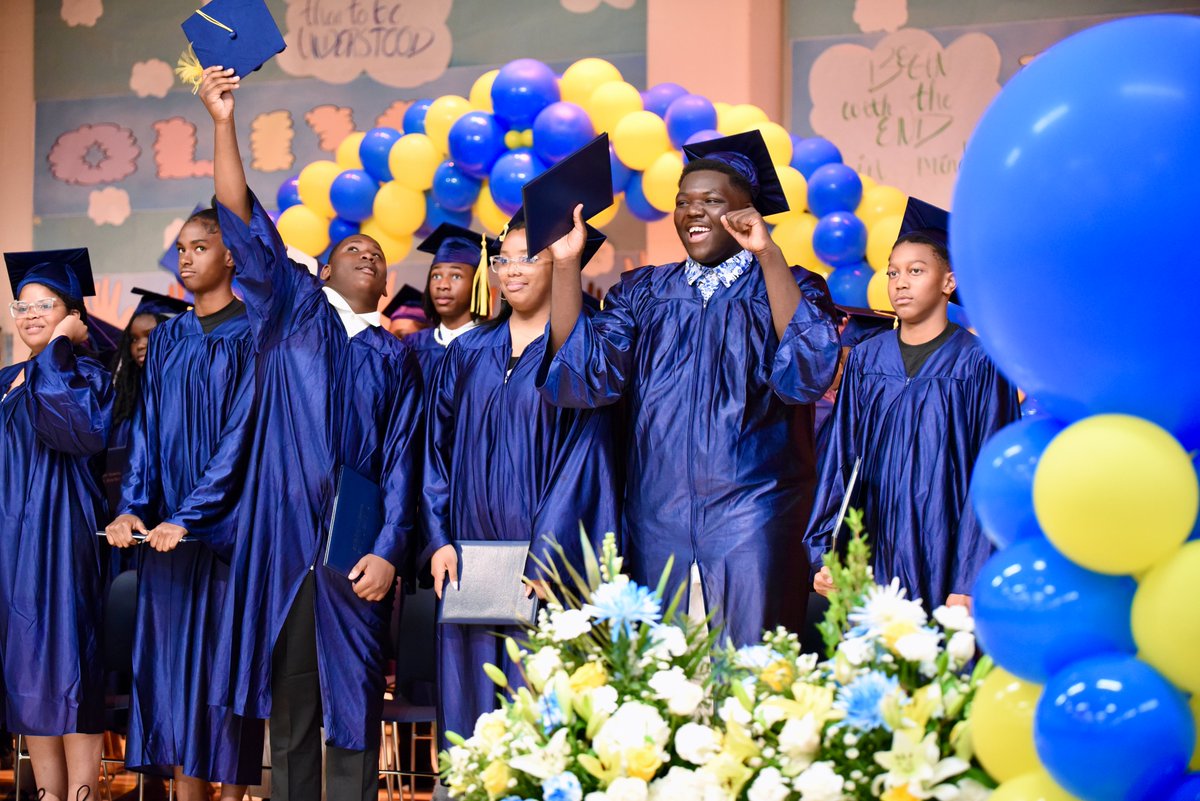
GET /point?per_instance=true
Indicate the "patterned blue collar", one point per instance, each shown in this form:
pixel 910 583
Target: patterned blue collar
pixel 705 279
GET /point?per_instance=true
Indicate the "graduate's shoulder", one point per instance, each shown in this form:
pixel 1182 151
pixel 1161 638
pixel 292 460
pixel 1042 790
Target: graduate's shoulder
pixel 486 335
pixel 423 340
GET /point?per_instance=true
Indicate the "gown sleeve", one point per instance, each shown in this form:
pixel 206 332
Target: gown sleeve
pixel 805 361
pixel 71 398
pixel 401 479
pixel 141 488
pixel 439 453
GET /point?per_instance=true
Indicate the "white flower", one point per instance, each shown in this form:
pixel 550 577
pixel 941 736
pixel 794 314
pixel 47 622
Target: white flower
pixel 732 710
pixel 819 783
pixel 549 760
pixel 489 728
pixel 542 665
pixel 885 607
pixel 919 646
pixel 596 795
pixel 604 700
pixel 697 743
pixel 961 646
pixel 666 642
pixel 806 663
pixel 633 725
pixel 770 714
pixel 756 656
pixel 627 789
pixel 954 618
pixel 857 650
pixel 568 624
pixel 800 739
pixel 768 786
pixel 916 765
pixel 967 790
pixel 681 783
pixel 682 696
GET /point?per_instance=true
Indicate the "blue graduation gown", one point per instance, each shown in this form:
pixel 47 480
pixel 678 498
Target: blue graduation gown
pixel 51 574
pixel 502 463
pixel 324 400
pixel 719 453
pixel 918 438
pixel 187 466
pixel 429 353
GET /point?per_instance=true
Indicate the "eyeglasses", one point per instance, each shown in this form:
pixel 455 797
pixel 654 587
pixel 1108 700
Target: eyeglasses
pixel 499 263
pixel 22 308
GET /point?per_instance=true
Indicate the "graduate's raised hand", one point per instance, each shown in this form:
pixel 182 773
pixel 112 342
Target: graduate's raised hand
pixel 823 582
pixel 165 536
pixel 372 577
pixel 120 531
pixel 568 251
pixel 216 91
pixel 73 328
pixel 749 229
pixel 444 563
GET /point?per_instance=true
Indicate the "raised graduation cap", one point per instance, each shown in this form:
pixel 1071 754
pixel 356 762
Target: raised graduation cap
pixel 747 154
pixel 863 324
pixel 407 304
pixel 595 238
pixel 549 200
pixel 926 219
pixel 240 34
pixel 453 244
pixel 158 304
pixel 68 271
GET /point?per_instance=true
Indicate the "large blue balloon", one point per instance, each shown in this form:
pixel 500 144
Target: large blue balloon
pixel 1084 167
pixel 834 187
pixel 353 195
pixel 523 88
pixel 707 135
pixel 414 116
pixel 476 141
pixel 339 229
pixel 1187 790
pixel 435 215
pixel 559 130
pixel 453 189
pixel 1037 611
pixel 848 285
pixel 689 115
pixel 1002 482
pixel 840 239
pixel 289 193
pixel 809 154
pixel 658 98
pixel 635 201
pixel 1111 728
pixel 374 150
pixel 620 173
pixel 511 172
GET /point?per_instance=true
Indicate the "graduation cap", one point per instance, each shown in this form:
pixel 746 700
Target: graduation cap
pixel 747 154
pixel 927 220
pixel 594 237
pixel 105 338
pixel 240 34
pixel 862 324
pixel 68 272
pixel 453 244
pixel 550 199
pixel 158 304
pixel 406 305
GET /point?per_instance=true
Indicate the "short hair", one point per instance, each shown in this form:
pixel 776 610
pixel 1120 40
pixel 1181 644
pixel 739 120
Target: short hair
pixel 918 238
pixel 712 165
pixel 208 218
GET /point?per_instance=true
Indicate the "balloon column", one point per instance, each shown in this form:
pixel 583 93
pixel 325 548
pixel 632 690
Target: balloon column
pixel 463 157
pixel 1091 605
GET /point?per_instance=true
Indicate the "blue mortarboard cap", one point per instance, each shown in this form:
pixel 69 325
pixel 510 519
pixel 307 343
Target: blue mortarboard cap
pixel 549 200
pixel 926 219
pixel 453 244
pixel 590 246
pixel 157 303
pixel 240 34
pixel 68 272
pixel 104 337
pixel 408 303
pixel 862 324
pixel 747 154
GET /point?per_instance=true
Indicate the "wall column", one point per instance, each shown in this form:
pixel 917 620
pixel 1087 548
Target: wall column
pixel 16 145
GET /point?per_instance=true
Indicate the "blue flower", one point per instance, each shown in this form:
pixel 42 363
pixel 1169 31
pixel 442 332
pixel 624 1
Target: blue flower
pixel 550 713
pixel 563 787
pixel 756 656
pixel 623 605
pixel 861 701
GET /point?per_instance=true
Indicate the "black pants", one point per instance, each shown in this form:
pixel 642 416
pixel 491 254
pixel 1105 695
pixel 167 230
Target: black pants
pixel 296 720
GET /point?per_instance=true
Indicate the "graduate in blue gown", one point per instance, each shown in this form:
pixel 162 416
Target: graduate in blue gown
pixel 187 468
pixel 55 410
pixel 916 406
pixel 404 315
pixel 503 463
pixel 334 389
pixel 719 357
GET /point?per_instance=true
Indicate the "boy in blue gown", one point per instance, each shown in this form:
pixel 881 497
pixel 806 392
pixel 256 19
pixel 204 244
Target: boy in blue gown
pixel 334 389
pixel 916 406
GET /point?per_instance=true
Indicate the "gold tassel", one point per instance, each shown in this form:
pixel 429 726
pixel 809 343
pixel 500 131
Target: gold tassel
pixel 481 289
pixel 189 70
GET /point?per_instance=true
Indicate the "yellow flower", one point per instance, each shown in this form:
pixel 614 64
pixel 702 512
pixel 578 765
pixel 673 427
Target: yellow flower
pixel 814 700
pixel 778 674
pixel 894 631
pixel 739 744
pixel 495 778
pixel 599 768
pixel 899 793
pixel 642 763
pixel 730 772
pixel 588 676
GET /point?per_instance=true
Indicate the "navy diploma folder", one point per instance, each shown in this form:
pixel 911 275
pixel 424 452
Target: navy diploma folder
pixel 357 520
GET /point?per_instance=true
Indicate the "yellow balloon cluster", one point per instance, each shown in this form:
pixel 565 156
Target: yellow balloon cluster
pixel 1033 786
pixel 1002 725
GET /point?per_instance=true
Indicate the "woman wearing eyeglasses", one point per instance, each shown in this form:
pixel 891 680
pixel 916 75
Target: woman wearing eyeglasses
pixel 55 411
pixel 503 464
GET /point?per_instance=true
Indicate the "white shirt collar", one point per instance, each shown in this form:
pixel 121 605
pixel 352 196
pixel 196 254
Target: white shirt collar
pixel 354 322
pixel 444 336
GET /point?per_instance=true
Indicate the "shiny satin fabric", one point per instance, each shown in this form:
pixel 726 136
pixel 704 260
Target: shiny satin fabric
pixel 719 451
pixel 429 353
pixel 187 467
pixel 324 400
pixel 918 439
pixel 502 463
pixel 51 572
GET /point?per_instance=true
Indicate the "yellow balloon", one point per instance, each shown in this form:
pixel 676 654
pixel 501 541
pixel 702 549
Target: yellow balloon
pixel 413 160
pixel 610 103
pixel 1166 617
pixel 1115 493
pixel 794 237
pixel 881 201
pixel 314 183
pixel 304 229
pixel 639 139
pixel 741 118
pixel 1036 785
pixel 722 110
pixel 868 183
pixel 481 91
pixel 881 238
pixel 1002 725
pixel 490 216
pixel 399 210
pixel 877 292
pixel 795 189
pixel 779 142
pixel 584 77
pixel 346 154
pixel 395 248
pixel 608 215
pixel 442 114
pixel 660 182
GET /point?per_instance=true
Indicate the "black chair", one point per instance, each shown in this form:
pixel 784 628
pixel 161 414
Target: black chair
pixel 414 699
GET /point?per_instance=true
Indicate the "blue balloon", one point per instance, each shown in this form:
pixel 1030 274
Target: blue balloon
pixel 706 135
pixel 833 187
pixel 840 239
pixel 289 193
pixel 1037 611
pixel 1002 481
pixel 511 172
pixel 635 201
pixel 1111 728
pixel 339 229
pixel 809 154
pixel 687 116
pixel 559 130
pixel 453 189
pixel 374 150
pixel 1187 790
pixel 353 195
pixel 848 285
pixel 1070 208
pixel 522 89
pixel 414 116
pixel 620 173
pixel 658 98
pixel 476 141
pixel 435 215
